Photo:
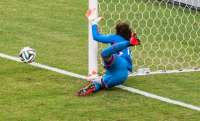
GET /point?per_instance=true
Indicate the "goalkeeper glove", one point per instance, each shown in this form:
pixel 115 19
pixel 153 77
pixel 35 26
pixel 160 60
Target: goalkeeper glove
pixel 90 14
pixel 134 40
pixel 96 20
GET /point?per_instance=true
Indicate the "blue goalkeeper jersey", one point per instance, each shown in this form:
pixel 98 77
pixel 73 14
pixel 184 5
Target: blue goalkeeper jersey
pixel 112 39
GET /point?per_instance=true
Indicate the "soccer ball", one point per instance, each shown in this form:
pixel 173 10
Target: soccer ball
pixel 27 55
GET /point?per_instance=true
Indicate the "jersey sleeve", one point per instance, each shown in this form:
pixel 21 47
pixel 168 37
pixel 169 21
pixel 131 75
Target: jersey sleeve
pixel 101 37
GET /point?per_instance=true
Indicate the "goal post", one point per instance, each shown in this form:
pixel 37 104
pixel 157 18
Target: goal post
pixel 92 45
pixel 170 33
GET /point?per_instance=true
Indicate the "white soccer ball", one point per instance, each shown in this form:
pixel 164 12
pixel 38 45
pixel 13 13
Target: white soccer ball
pixel 27 55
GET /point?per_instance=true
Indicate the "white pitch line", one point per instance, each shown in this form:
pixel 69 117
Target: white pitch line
pixel 130 89
pixel 44 67
pixel 164 99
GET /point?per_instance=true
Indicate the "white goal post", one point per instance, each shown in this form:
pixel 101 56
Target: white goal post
pixel 170 33
pixel 92 45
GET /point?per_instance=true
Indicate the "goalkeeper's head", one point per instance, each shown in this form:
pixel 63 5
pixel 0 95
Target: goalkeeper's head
pixel 124 30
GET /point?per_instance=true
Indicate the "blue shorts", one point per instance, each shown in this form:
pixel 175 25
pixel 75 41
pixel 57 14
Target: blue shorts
pixel 116 73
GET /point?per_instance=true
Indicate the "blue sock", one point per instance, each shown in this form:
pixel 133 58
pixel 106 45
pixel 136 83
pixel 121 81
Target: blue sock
pixel 97 86
pixel 114 49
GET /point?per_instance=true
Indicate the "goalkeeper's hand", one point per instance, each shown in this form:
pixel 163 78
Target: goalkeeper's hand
pixel 90 14
pixel 134 40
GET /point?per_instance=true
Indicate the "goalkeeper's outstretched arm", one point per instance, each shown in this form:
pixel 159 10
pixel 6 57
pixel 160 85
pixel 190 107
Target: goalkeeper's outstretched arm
pixel 90 14
pixel 100 37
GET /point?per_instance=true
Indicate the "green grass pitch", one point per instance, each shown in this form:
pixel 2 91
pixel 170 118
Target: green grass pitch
pixel 57 29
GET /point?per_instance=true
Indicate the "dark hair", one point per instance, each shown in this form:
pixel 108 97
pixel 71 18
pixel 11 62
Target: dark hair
pixel 123 29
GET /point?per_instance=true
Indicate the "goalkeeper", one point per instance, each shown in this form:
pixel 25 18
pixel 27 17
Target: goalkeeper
pixel 116 58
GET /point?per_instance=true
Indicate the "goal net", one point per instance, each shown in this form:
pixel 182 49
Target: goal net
pixel 170 33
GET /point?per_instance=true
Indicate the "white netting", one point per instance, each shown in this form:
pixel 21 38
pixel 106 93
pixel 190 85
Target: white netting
pixel 170 33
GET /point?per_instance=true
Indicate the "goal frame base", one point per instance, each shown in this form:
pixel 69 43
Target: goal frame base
pixel 196 69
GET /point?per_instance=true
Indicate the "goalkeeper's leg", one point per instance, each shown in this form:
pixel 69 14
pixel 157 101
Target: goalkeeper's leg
pixel 111 78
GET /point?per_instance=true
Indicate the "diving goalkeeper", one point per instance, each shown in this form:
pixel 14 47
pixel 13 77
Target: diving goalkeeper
pixel 116 58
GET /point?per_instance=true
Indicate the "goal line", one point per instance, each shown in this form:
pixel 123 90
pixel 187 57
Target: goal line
pixel 129 89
